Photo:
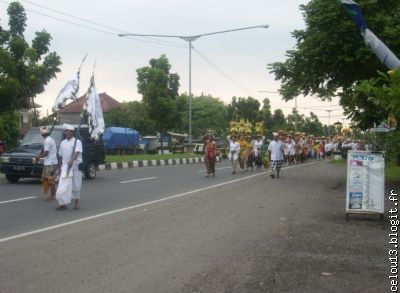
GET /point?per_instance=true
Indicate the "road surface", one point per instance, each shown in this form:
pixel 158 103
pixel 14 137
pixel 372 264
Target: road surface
pixel 170 229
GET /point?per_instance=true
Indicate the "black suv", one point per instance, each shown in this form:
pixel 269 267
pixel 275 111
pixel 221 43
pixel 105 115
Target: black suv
pixel 19 162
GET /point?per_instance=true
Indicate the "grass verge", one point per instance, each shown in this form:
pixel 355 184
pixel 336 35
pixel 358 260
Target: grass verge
pixel 392 171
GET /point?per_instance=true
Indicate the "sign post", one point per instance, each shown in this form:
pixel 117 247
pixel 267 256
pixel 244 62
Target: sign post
pixel 365 183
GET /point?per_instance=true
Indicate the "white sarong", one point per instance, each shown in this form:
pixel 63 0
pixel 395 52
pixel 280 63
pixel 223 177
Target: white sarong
pixel 64 189
pixel 69 187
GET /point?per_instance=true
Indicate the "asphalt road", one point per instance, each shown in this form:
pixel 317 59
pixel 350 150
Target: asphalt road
pixel 169 229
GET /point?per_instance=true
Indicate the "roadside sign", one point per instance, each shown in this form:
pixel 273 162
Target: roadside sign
pixel 365 182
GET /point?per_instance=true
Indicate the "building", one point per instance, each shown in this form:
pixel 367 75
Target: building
pixel 71 113
pixel 27 117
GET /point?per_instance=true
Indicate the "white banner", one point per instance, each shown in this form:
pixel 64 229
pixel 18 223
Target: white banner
pixel 365 182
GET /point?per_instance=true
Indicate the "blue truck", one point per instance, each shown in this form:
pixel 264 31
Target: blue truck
pixel 120 140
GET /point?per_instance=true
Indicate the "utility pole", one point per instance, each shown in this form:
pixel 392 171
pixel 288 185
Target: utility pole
pixel 191 39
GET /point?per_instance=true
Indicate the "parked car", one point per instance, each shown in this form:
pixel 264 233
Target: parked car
pixel 19 162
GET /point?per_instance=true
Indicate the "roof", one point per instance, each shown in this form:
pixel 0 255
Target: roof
pixel 107 103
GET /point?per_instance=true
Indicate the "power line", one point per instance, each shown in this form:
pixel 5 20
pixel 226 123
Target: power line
pixel 321 107
pixel 72 16
pixel 270 92
pixel 326 110
pixel 227 76
pixel 155 41
pixel 332 116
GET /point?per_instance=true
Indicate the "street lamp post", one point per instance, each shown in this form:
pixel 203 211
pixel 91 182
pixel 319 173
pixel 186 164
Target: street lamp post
pixel 191 39
pixel 295 114
pixel 329 116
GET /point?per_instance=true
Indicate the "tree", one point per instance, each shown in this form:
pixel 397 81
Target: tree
pixel 159 89
pixel 209 113
pixel 330 56
pixel 131 115
pixel 312 125
pixel 278 120
pixel 265 115
pixel 295 121
pixel 182 102
pixel 9 128
pixel 24 69
pixel 244 108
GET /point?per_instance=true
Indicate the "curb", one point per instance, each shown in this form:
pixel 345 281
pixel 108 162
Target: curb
pixel 151 163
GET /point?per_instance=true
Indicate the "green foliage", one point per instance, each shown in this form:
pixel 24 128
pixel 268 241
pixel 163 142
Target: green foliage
pixel 24 69
pixel 265 115
pixel 243 108
pixel 312 125
pixel 159 89
pixel 390 143
pixel 208 113
pixel 17 18
pixel 330 56
pixel 9 129
pixel 278 120
pixel 131 115
pixel 392 172
pixel 293 119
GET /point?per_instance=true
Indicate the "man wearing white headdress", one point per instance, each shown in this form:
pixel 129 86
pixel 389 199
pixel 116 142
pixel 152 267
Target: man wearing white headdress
pixel 275 149
pixel 69 187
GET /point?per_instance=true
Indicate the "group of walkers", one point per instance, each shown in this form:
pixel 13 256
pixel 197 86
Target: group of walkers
pixel 283 149
pixel 248 153
pixel 61 177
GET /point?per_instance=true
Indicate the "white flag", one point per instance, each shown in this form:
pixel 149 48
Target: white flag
pixel 94 111
pixel 68 92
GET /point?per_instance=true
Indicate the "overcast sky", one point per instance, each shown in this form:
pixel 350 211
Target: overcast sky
pixel 223 65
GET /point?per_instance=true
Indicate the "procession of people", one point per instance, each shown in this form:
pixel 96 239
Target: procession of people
pixel 62 179
pixel 282 148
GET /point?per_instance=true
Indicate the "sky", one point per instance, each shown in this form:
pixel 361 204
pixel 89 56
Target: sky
pixel 222 65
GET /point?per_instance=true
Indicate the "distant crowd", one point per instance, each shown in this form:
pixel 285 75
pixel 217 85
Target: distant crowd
pixel 248 153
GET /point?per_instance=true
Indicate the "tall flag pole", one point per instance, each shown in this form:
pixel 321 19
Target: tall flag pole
pixel 94 111
pixel 374 44
pixel 69 91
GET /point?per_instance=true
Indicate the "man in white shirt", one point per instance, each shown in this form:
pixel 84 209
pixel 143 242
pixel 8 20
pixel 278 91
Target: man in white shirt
pixel 291 150
pixel 234 150
pixel 275 149
pixel 69 187
pixel 49 153
pixel 328 148
pixel 257 152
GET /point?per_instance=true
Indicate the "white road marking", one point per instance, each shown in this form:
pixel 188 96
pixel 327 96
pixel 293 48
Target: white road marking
pixel 136 180
pixel 18 199
pixel 216 169
pixel 135 206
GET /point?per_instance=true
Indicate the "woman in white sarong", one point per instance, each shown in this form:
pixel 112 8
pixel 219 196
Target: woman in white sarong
pixel 234 149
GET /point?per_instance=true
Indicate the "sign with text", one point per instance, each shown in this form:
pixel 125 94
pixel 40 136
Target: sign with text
pixel 365 182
